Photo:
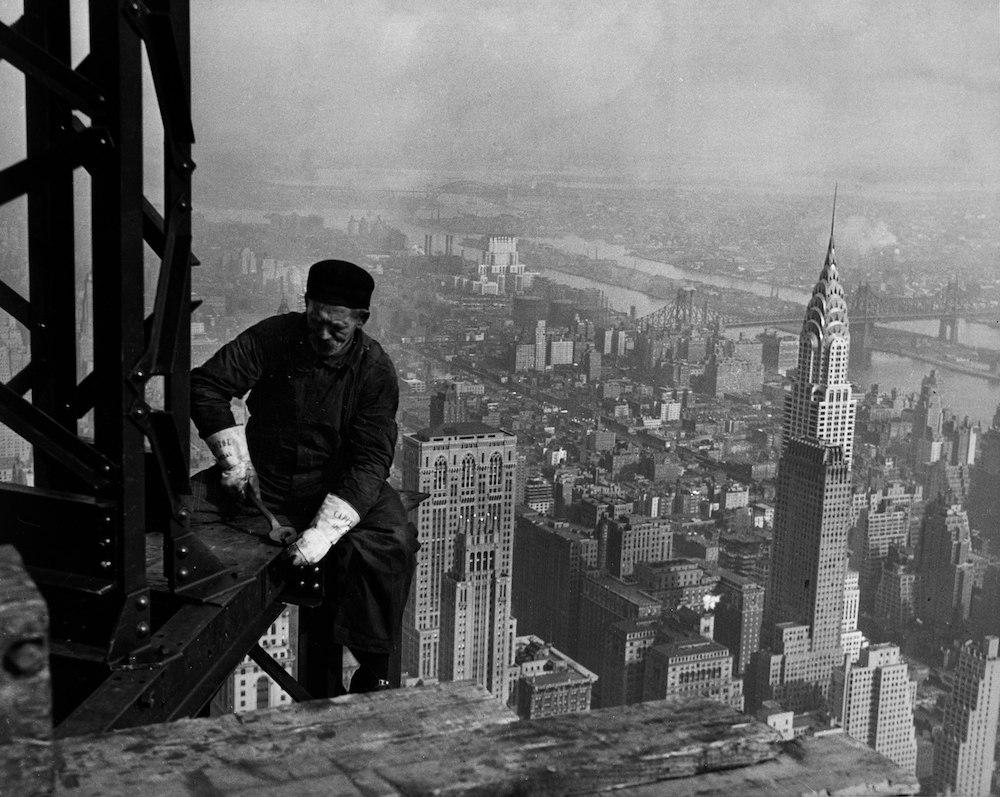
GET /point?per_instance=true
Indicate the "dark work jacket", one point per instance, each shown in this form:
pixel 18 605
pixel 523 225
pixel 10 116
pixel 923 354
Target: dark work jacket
pixel 319 427
pixel 315 426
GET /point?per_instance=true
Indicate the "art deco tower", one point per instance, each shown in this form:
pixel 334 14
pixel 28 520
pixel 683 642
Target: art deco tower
pixel 459 608
pixel 821 405
pixel 801 638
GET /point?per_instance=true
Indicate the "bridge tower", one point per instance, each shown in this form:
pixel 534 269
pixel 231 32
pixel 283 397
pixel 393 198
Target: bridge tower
pixel 948 325
pixel 863 314
pixel 684 307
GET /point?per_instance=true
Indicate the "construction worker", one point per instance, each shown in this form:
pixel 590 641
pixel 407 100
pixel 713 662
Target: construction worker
pixel 317 448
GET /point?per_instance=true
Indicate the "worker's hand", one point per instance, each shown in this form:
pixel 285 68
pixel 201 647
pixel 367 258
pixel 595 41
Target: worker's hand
pixel 233 455
pixel 335 518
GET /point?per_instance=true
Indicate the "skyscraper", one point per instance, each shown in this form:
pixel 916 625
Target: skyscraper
pixel 882 525
pixel 946 572
pixel 469 471
pixel 821 404
pixel 477 631
pixel 738 617
pixel 873 701
pixel 805 599
pixel 963 753
pixel 551 558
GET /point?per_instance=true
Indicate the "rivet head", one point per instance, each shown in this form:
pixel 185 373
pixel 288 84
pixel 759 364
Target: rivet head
pixel 183 573
pixel 139 374
pixel 142 602
pixel 105 542
pixel 40 325
pixel 316 587
pixel 182 550
pixel 302 583
pixel 182 514
pixel 107 518
pixel 142 629
pixel 106 468
pixel 106 565
pixel 25 658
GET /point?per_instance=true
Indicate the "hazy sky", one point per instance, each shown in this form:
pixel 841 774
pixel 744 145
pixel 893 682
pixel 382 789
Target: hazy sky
pixel 769 90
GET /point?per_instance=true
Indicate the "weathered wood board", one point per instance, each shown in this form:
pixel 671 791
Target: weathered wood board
pixel 456 739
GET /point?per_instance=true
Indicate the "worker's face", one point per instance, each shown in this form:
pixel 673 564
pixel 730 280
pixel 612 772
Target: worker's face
pixel 331 327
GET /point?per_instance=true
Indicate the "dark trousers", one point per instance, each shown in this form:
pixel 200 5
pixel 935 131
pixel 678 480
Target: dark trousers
pixel 366 578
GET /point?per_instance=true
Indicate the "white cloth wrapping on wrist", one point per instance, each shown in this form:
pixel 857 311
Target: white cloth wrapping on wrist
pixel 334 519
pixel 229 446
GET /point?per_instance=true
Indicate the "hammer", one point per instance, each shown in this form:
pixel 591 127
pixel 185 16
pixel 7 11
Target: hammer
pixel 279 533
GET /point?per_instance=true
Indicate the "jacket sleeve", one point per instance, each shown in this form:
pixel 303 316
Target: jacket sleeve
pixel 228 374
pixel 371 438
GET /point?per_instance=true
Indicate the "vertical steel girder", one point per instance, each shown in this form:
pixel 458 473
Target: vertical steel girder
pixel 129 348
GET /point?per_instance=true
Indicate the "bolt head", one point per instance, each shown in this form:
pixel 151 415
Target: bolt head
pixel 25 658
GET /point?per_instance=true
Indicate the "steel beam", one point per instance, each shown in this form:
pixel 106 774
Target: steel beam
pixel 51 264
pixel 189 657
pixel 278 674
pixel 50 71
pixel 116 199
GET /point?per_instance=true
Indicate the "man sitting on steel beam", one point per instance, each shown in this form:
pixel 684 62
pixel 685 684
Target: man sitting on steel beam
pixel 317 448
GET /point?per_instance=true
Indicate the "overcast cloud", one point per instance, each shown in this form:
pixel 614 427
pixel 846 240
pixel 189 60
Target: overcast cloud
pixel 772 91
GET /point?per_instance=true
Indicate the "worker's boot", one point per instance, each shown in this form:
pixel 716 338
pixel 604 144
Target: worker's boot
pixel 372 674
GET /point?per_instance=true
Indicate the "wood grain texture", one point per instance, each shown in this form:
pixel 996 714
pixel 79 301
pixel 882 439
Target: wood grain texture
pixel 456 739
pixel 25 688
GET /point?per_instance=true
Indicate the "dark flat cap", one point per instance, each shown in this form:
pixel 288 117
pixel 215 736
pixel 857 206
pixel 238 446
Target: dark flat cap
pixel 341 283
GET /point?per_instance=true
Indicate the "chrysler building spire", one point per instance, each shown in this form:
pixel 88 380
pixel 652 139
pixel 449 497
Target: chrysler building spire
pixel 821 404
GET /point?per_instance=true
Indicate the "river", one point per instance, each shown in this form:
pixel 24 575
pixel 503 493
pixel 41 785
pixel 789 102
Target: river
pixel 963 394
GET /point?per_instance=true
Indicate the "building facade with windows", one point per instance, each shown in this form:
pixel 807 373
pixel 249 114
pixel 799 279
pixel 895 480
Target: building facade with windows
pixel 468 470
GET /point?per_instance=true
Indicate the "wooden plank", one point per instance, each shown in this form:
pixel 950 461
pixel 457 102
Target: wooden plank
pixel 25 687
pixel 448 738
pixel 615 749
pixel 287 750
pixel 834 765
pixel 456 739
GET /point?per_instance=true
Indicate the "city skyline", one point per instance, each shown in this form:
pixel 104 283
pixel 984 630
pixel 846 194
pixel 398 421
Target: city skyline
pixel 652 420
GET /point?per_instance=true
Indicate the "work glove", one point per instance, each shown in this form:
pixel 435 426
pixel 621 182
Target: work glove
pixel 233 455
pixel 335 518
